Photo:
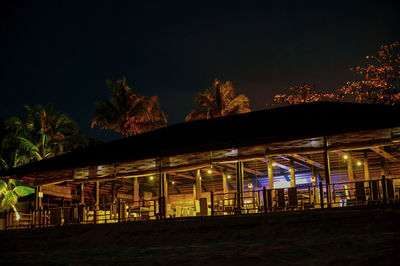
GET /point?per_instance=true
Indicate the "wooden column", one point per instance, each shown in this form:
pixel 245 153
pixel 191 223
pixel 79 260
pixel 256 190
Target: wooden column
pixel 97 193
pixel 383 168
pixel 239 182
pixel 194 194
pixel 114 199
pixel 292 174
pixel 38 199
pixel 350 171
pixel 198 184
pixel 82 193
pixel 224 181
pixel 366 167
pixel 270 174
pixel 163 186
pixel 97 201
pixel 136 197
pixel 327 171
pixel 314 184
pixel 114 193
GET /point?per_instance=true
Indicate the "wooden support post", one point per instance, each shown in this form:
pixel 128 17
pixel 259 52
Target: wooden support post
pixel 292 174
pixel 327 170
pixel 265 199
pixel 224 181
pixel 366 167
pixel 97 193
pixel 212 203
pixel 82 193
pixel 166 188
pixel 198 184
pixel 194 194
pixel 38 198
pixel 314 184
pixel 270 174
pixel 383 168
pixel 163 186
pixel 239 183
pixel 136 197
pixel 321 193
pixel 384 189
pixel 350 170
pixel 97 201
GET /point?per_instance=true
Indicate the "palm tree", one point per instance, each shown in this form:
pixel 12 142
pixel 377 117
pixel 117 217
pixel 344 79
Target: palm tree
pixel 127 112
pixel 40 134
pixel 219 100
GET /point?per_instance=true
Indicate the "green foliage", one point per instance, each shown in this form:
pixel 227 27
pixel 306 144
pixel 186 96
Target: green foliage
pixel 219 100
pixel 41 133
pixel 22 191
pixel 127 112
pixel 10 191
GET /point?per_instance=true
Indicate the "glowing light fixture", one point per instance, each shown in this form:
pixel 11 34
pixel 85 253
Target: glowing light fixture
pixel 173 182
pixel 250 185
pixel 345 157
pixel 151 177
pixel 209 171
pixel 358 163
pixel 200 177
pixel 229 177
pixel 273 164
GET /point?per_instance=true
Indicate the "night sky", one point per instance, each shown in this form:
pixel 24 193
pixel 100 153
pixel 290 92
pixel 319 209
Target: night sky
pixel 62 52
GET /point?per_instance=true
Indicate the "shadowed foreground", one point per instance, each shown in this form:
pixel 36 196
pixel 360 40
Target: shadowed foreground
pixel 335 237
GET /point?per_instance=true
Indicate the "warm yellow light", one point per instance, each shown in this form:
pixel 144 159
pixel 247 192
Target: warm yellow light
pixel 358 163
pixel 229 176
pixel 209 171
pixel 200 177
pixel 345 157
pixel 151 177
pixel 173 182
pixel 274 164
pixel 17 216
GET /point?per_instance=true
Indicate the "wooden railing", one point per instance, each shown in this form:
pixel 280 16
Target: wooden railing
pixel 306 197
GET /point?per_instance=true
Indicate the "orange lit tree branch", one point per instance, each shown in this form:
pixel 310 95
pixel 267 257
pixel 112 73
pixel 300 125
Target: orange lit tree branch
pixel 305 93
pixel 380 83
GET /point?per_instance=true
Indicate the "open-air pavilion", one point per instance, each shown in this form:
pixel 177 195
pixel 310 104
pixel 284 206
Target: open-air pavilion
pixel 309 156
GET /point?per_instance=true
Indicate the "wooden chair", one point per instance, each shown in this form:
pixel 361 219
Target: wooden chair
pixel 360 193
pixel 203 207
pixel 178 211
pixel 293 201
pixel 390 190
pixel 281 199
pixel 269 201
pixel 55 217
pixel 374 192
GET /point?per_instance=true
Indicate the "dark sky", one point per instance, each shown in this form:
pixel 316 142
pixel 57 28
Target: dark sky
pixel 62 52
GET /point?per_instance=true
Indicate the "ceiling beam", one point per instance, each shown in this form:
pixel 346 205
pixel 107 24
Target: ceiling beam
pixel 277 164
pixel 183 175
pixel 245 169
pixel 385 154
pixel 307 161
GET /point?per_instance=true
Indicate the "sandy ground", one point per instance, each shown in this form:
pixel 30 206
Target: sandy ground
pixel 342 237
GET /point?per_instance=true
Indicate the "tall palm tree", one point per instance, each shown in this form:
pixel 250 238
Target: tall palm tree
pixel 219 100
pixel 40 134
pixel 127 112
